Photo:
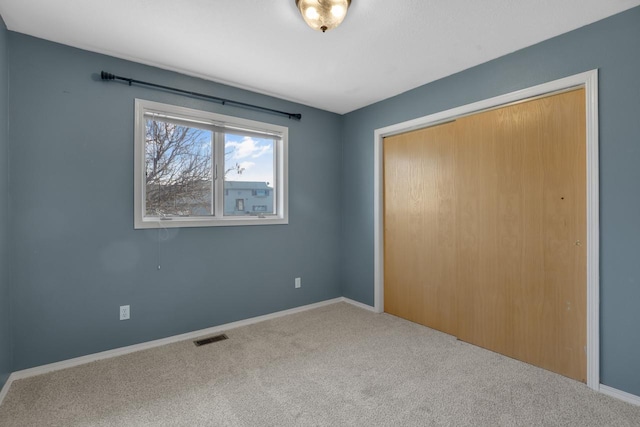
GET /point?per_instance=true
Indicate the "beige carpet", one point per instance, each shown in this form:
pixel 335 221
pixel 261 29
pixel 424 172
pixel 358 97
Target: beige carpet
pixel 336 365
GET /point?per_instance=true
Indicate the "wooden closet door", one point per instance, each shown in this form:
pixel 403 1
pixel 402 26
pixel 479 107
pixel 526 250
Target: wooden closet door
pixel 522 241
pixel 419 262
pixel 485 230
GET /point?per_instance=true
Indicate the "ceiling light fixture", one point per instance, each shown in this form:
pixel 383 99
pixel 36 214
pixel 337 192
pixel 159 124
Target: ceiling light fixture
pixel 323 15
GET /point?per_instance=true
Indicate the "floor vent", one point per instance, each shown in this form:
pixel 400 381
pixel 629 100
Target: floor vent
pixel 209 340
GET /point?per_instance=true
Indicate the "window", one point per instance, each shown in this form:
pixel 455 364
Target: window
pixel 194 169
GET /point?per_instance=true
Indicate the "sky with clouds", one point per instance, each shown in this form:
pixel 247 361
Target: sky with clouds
pixel 254 155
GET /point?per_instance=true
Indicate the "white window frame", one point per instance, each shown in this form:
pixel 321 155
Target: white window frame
pixel 215 122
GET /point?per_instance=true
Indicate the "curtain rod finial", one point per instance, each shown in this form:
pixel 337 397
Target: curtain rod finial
pixel 107 76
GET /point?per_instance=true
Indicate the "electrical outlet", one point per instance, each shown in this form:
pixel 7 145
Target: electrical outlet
pixel 298 282
pixel 125 312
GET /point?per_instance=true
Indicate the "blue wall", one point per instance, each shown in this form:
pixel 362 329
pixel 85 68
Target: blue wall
pixel 74 253
pixel 5 325
pixel 612 46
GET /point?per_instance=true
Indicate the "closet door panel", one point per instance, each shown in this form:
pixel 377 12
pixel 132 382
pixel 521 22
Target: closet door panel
pixel 528 299
pixel 419 239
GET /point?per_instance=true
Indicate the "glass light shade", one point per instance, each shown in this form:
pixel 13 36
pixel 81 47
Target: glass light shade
pixel 323 15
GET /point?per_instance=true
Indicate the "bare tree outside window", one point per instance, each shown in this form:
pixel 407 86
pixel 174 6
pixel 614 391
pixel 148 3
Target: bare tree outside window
pixel 178 169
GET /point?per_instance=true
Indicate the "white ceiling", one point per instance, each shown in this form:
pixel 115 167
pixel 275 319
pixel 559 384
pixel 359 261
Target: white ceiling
pixel 382 48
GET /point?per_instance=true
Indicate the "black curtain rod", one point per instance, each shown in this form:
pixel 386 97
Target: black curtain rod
pixel 108 76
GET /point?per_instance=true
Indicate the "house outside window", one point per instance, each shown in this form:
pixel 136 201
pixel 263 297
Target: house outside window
pixel 253 193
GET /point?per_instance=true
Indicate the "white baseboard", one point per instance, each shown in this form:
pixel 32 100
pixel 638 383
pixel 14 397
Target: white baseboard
pixel 64 364
pixel 5 388
pixel 619 394
pixel 359 304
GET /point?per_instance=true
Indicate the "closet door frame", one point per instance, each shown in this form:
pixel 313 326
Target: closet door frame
pixel 587 80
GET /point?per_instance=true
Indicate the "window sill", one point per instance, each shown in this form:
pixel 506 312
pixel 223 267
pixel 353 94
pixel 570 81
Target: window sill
pixel 205 222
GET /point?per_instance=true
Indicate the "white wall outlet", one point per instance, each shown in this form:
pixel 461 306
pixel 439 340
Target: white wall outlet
pixel 298 282
pixel 125 312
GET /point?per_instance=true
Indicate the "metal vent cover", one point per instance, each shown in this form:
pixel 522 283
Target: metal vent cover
pixel 209 340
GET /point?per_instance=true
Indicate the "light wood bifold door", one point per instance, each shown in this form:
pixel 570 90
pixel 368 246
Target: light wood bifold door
pixel 485 230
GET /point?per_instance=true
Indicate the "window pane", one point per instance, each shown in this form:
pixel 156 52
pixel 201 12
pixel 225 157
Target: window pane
pixel 249 175
pixel 178 161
